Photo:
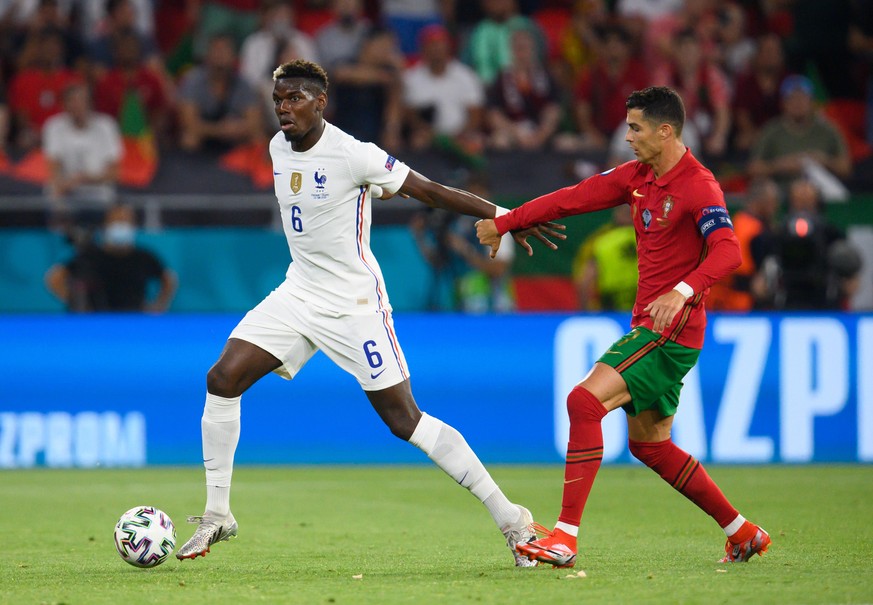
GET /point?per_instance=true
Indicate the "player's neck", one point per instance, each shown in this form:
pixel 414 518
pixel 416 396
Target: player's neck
pixel 668 158
pixel 308 141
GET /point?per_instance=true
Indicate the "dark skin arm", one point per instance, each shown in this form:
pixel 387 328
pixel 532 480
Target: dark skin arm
pixel 439 196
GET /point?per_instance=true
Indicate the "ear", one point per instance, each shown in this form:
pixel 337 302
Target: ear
pixel 321 102
pixel 665 131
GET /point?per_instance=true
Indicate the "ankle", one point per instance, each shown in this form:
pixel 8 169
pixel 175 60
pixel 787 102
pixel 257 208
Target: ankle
pixel 746 532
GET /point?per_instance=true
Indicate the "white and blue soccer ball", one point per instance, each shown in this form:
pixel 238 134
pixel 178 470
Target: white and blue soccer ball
pixel 145 536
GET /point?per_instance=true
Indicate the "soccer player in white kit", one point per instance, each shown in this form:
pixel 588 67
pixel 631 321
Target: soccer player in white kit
pixel 334 299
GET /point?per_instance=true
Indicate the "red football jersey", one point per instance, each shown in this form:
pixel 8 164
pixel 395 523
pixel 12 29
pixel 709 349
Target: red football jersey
pixel 683 232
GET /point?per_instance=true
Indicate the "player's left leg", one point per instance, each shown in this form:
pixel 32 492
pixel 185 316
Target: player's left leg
pixel 649 440
pixel 602 391
pixel 449 450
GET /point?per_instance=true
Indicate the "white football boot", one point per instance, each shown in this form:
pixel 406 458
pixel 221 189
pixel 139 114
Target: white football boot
pixel 211 529
pixel 520 532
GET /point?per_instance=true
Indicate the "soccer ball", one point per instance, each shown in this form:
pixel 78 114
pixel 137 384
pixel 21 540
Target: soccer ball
pixel 145 536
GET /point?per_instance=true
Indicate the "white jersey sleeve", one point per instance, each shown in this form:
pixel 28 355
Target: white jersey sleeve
pixel 370 165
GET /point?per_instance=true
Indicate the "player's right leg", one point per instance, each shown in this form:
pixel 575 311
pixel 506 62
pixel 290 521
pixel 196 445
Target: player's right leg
pixel 650 442
pixel 240 365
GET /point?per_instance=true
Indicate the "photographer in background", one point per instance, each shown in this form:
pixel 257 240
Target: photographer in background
pixel 465 277
pixel 812 267
pixel 113 275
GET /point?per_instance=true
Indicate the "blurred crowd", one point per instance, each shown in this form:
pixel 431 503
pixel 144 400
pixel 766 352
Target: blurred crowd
pixel 776 91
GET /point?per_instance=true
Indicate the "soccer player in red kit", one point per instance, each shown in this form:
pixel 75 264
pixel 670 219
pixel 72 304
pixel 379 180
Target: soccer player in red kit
pixel 685 243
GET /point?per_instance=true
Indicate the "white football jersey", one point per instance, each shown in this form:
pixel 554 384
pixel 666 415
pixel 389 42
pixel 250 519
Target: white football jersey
pixel 324 197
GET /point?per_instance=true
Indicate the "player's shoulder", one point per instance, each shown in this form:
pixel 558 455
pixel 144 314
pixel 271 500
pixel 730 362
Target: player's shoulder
pixel 277 143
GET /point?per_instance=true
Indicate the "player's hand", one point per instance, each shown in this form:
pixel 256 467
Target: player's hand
pixel 663 309
pixel 542 232
pixel 486 231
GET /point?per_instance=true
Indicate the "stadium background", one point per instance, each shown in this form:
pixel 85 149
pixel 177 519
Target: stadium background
pixel 101 390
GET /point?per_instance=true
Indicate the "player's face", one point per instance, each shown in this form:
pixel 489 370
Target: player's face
pixel 299 107
pixel 644 136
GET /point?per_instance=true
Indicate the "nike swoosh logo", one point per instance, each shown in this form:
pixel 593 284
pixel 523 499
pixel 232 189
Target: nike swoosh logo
pixel 276 173
pixel 375 376
pixel 210 460
pixel 636 193
pixel 573 480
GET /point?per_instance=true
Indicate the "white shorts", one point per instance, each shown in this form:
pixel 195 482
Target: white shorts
pixel 363 344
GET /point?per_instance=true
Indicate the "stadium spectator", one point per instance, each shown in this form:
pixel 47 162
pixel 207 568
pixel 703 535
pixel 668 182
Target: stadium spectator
pixel 35 92
pixel 408 18
pixel 120 19
pixel 130 88
pixel 605 268
pixel 817 268
pixel 603 87
pixel 46 15
pixel 659 36
pixel 679 212
pixel 442 97
pixel 95 16
pixel 340 41
pixel 755 227
pixel 735 47
pixel 489 50
pixel 523 103
pixel 704 89
pixel 756 92
pixel 798 138
pixel 332 299
pixel 580 40
pixel 276 40
pixel 217 106
pixel 368 92
pixel 83 150
pixel 114 275
pixel 276 36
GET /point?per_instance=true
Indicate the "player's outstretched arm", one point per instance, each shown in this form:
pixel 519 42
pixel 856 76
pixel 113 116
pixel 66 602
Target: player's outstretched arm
pixel 439 196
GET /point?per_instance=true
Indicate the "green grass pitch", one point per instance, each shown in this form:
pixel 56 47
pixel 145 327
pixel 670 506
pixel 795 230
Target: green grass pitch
pixel 415 537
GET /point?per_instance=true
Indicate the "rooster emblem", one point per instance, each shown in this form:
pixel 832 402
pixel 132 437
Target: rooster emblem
pixel 320 180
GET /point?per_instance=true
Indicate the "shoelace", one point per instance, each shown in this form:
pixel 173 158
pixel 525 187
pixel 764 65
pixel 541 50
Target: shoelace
pixel 542 531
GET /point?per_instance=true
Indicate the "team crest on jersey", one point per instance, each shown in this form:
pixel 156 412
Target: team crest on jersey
pixel 296 182
pixel 666 207
pixel 320 180
pixel 647 218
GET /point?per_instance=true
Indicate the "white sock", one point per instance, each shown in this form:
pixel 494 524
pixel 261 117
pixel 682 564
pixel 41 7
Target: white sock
pixel 734 526
pixel 220 429
pixel 573 530
pixel 448 449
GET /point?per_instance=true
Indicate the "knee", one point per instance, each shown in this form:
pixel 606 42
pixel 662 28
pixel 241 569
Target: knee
pixel 222 382
pixel 649 453
pixel 637 450
pixel 402 426
pixel 582 406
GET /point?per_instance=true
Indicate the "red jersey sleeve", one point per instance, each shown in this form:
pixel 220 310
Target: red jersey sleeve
pixel 604 190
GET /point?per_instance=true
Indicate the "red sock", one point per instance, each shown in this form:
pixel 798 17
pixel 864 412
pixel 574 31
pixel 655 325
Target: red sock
pixel 584 452
pixel 687 476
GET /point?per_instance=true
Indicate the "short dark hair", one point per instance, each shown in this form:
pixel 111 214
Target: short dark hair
pixel 659 104
pixel 306 70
